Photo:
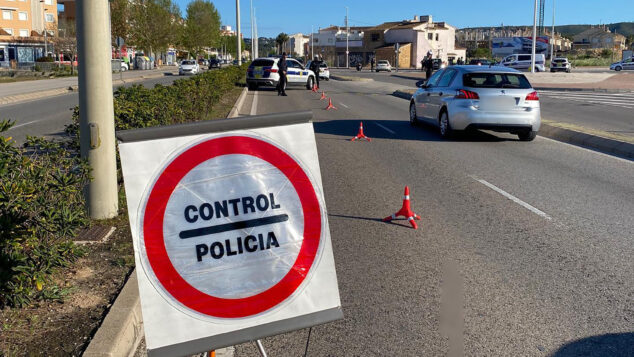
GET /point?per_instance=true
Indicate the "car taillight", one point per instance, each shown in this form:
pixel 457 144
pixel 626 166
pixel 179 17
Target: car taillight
pixel 272 70
pixel 466 94
pixel 532 96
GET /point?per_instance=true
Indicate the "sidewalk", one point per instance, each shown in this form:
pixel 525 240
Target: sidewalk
pixel 29 90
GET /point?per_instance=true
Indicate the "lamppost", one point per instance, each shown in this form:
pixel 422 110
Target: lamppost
pixel 44 26
pixel 347 36
pixel 552 37
pixel 239 52
pixel 534 38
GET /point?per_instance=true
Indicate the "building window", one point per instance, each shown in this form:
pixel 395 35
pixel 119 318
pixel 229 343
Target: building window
pixel 48 2
pixel 9 31
pixel 22 16
pixel 7 15
pixel 436 37
pixel 330 40
pixel 375 37
pixel 50 18
pixel 430 36
pixel 24 33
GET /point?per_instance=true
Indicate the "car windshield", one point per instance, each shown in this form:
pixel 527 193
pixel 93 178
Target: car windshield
pixel 559 60
pixel 188 62
pixel 323 65
pixel 495 80
pixel 382 62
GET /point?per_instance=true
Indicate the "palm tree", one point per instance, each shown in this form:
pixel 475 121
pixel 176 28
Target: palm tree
pixel 281 40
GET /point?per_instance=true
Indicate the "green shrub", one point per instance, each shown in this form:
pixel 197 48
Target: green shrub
pixel 45 59
pixel 41 208
pixel 186 100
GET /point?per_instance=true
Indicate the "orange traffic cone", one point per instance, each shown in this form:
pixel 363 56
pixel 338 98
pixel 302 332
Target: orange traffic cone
pixel 330 106
pixel 323 96
pixel 405 211
pixel 360 135
pixel 314 88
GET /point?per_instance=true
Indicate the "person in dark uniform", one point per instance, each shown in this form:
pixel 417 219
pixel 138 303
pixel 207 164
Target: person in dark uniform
pixel 315 66
pixel 372 64
pixel 283 70
pixel 429 66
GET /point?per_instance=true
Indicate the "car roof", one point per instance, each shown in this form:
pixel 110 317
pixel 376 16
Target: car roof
pixel 485 69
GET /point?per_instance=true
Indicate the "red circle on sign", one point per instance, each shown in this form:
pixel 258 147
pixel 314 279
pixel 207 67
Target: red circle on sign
pixel 153 237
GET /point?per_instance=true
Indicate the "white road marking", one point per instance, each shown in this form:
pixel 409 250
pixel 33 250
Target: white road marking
pixel 25 124
pixel 344 105
pixel 386 129
pixel 512 198
pixel 254 103
pixel 588 150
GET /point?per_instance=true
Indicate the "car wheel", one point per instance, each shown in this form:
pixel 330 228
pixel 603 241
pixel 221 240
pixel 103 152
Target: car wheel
pixel 552 71
pixel 527 135
pixel 327 78
pixel 253 86
pixel 309 83
pixel 412 114
pixel 443 124
pixel 618 68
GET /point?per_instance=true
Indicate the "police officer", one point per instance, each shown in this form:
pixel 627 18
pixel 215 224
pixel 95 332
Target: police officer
pixel 283 70
pixel 429 66
pixel 372 64
pixel 314 66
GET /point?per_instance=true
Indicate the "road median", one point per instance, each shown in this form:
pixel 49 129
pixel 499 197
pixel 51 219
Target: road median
pixel 603 141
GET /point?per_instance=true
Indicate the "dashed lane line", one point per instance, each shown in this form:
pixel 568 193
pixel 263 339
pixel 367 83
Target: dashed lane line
pixel 513 198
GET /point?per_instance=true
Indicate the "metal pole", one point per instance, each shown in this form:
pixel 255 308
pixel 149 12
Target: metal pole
pixel 239 52
pixel 312 42
pixel 552 37
pixel 96 116
pixel 347 48
pixel 252 33
pixel 45 32
pixel 257 38
pixel 261 348
pixel 534 38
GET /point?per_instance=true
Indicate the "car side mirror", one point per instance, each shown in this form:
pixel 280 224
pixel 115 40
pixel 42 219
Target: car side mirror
pixel 421 84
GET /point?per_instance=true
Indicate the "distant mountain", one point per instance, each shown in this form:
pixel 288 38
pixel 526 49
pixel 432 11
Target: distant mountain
pixel 624 28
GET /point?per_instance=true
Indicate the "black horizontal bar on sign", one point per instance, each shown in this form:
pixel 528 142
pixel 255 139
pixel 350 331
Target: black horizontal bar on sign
pixel 214 126
pixel 198 232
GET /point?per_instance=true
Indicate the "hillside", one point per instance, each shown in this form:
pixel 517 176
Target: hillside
pixel 624 28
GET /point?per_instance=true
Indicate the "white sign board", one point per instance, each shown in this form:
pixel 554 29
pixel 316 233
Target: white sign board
pixel 231 237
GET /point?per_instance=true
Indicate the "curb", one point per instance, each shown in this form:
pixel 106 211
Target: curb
pixel 235 111
pixel 350 79
pixel 596 90
pixel 122 329
pixel 594 142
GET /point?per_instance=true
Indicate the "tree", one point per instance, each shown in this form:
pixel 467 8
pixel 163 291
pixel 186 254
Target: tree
pixel 154 24
pixel 280 40
pixel 230 43
pixel 66 40
pixel 202 26
pixel 119 19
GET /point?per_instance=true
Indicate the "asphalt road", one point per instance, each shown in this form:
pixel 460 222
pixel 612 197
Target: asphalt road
pixel 48 116
pixel 524 248
pixel 610 112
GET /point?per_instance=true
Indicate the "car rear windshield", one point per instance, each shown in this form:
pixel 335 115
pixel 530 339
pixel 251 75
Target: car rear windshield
pixel 560 60
pixel 189 62
pixel 382 62
pixel 495 80
pixel 262 63
pixel 323 65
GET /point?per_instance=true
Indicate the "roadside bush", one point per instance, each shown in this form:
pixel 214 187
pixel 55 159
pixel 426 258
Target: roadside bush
pixel 41 208
pixel 186 100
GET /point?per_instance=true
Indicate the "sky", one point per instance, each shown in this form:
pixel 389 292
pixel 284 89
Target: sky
pixel 298 16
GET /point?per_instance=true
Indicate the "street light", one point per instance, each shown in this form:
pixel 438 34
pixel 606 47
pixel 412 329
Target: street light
pixel 239 53
pixel 44 26
pixel 534 38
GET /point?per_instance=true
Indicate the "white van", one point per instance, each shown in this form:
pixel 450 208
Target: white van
pixel 519 61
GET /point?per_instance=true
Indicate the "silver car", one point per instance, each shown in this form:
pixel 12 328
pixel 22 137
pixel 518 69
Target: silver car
pixel 475 97
pixel 625 64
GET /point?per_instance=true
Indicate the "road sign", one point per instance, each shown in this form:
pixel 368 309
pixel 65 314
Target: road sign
pixel 119 42
pixel 231 235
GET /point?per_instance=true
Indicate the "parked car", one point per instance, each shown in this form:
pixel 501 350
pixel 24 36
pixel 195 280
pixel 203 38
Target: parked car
pixel 626 64
pixel 214 63
pixel 560 64
pixel 481 62
pixel 476 97
pixel 265 72
pixel 383 65
pixel 324 71
pixel 188 67
pixel 519 61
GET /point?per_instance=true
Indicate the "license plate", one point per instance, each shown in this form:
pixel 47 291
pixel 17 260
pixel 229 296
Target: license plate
pixel 258 71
